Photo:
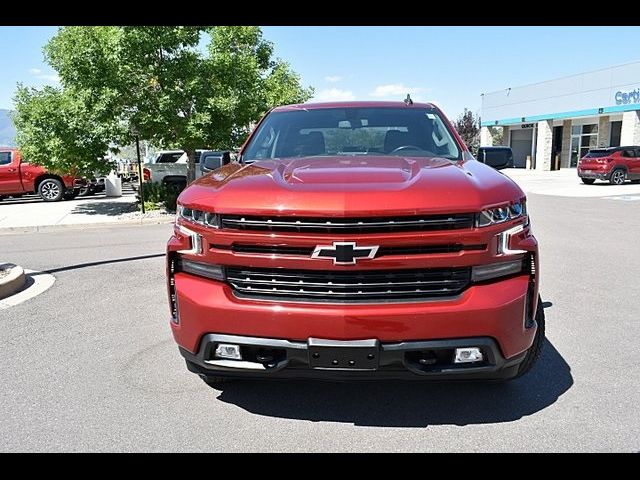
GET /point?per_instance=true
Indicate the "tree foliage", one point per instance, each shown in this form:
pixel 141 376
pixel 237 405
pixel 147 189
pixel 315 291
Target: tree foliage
pixel 165 85
pixel 497 135
pixel 55 129
pixel 468 127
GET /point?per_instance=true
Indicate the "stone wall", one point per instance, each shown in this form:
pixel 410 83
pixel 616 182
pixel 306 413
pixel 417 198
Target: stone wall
pixel 565 159
pixel 544 143
pixel 630 134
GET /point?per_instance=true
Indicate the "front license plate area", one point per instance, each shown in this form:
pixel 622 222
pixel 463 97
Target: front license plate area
pixel 343 354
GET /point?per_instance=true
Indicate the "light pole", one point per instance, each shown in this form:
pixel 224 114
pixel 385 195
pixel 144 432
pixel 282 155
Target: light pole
pixel 140 175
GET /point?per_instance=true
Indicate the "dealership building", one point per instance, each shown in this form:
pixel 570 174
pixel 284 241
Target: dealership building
pixel 551 124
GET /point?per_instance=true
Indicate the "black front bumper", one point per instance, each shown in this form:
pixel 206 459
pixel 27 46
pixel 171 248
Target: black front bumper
pixel 416 360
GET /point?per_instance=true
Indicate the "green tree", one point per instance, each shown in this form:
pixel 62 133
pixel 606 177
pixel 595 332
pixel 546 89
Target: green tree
pixel 55 129
pixel 468 127
pixel 158 82
pixel 497 135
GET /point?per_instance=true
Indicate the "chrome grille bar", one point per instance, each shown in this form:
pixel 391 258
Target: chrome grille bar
pixel 376 286
pixel 349 225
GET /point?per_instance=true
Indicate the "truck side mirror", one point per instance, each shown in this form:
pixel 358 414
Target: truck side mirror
pixel 211 162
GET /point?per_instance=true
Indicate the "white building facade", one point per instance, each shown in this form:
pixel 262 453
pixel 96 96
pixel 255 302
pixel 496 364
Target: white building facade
pixel 550 125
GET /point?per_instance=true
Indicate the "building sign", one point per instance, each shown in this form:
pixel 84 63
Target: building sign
pixel 625 98
pixel 526 125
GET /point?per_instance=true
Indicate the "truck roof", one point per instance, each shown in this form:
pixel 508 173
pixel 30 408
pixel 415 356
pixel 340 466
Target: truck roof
pixel 360 104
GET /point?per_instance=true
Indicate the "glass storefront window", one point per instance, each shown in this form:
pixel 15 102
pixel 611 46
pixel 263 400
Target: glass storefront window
pixel 583 138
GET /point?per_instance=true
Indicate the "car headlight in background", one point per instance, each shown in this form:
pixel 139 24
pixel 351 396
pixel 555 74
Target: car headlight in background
pixel 502 214
pixel 200 217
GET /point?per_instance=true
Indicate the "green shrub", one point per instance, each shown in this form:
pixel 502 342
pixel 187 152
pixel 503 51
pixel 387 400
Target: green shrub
pixel 157 195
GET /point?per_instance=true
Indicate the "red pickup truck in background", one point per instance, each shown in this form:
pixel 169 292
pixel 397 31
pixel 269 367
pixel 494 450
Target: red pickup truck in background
pixel 18 177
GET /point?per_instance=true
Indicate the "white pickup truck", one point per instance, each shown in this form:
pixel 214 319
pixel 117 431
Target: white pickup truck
pixel 170 166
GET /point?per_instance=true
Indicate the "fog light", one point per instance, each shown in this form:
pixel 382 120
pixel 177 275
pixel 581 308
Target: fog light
pixel 468 355
pixel 228 350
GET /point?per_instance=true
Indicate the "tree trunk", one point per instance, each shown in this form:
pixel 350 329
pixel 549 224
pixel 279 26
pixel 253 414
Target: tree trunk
pixel 191 166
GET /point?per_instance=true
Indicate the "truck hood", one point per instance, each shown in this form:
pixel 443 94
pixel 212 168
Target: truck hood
pixel 351 186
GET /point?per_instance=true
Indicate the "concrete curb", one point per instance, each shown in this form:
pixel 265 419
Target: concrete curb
pixel 12 282
pixel 83 226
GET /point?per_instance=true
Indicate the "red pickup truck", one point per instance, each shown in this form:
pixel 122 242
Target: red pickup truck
pixel 355 240
pixel 18 177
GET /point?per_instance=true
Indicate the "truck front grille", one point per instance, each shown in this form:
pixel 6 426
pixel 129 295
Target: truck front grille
pixel 348 287
pixel 349 225
pixel 382 251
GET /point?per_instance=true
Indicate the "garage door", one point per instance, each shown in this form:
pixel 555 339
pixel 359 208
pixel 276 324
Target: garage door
pixel 521 146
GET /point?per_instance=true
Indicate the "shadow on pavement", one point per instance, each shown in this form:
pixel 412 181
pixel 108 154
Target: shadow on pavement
pixel 103 262
pixel 21 200
pixel 607 184
pixel 104 207
pixel 407 404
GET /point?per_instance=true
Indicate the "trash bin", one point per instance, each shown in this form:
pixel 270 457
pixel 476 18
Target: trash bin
pixel 113 185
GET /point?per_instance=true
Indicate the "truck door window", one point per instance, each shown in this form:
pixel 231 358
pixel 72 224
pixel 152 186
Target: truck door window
pixel 169 157
pixel 5 158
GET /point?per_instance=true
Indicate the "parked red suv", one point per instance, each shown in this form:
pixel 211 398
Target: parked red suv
pixel 615 164
pixel 355 240
pixel 18 177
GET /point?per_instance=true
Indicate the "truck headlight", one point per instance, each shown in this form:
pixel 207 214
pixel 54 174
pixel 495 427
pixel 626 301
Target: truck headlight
pixel 207 219
pixel 502 214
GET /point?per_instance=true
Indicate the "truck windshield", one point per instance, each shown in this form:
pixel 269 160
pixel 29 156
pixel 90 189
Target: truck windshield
pixel 407 132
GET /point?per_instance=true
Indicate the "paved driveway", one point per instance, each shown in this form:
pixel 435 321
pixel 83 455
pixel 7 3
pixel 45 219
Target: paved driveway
pixel 91 365
pixel 30 211
pixel 566 183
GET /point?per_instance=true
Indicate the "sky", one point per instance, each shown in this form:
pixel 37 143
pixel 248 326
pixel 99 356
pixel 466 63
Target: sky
pixel 451 66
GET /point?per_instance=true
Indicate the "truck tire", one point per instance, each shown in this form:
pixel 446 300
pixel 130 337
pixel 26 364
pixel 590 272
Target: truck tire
pixel 71 195
pixel 534 351
pixel 51 190
pixel 86 191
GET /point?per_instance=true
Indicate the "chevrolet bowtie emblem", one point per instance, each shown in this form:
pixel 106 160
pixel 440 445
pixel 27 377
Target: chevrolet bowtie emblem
pixel 344 253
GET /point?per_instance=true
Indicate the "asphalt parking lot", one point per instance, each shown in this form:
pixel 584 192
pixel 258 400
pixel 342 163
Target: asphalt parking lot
pixel 90 364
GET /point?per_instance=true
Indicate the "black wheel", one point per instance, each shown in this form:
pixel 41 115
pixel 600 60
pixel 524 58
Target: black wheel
pixel 588 181
pixel 51 190
pixel 534 351
pixel 618 176
pixel 86 191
